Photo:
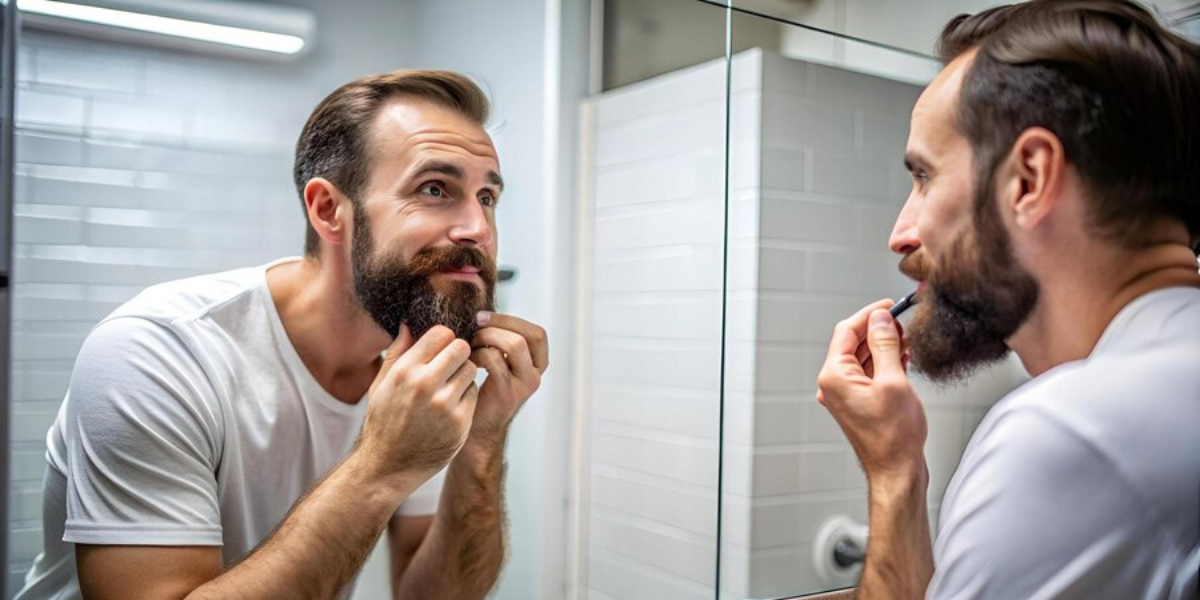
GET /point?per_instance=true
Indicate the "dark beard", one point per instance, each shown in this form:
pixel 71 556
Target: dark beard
pixel 395 292
pixel 973 304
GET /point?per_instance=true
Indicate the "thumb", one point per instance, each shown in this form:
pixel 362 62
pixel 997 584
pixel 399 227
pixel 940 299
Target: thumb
pixel 883 338
pixel 399 346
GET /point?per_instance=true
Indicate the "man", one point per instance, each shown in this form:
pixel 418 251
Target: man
pixel 204 409
pixel 1054 213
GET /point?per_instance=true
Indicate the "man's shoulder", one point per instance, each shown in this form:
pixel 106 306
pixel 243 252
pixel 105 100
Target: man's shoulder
pixel 193 297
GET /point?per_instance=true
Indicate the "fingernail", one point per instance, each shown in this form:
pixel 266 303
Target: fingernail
pixel 880 318
pixel 482 318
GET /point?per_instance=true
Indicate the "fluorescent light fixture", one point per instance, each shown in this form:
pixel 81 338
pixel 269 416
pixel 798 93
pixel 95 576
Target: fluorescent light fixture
pixel 257 28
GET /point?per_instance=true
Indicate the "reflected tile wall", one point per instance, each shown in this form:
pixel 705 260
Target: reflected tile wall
pixel 133 167
pixel 656 301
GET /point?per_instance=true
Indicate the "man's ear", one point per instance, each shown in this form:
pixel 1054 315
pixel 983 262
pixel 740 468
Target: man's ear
pixel 328 213
pixel 1036 167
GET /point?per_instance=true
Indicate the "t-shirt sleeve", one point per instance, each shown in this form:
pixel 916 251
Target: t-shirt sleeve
pixel 143 440
pixel 425 500
pixel 1040 512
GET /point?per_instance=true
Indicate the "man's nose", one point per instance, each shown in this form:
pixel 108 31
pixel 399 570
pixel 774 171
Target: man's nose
pixel 905 238
pixel 472 225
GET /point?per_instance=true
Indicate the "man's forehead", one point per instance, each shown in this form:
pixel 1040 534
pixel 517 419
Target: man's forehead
pixel 933 114
pixel 407 124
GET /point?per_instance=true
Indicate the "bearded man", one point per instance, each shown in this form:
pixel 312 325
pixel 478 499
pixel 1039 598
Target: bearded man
pixel 250 434
pixel 1055 213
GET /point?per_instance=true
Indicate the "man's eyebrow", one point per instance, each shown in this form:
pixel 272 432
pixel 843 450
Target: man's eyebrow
pixel 437 166
pixel 912 162
pixel 495 179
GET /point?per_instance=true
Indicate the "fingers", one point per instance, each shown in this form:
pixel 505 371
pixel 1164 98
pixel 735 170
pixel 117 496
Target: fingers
pixel 850 333
pixel 519 357
pixel 492 361
pixel 399 346
pixel 450 361
pixel 459 385
pixel 429 346
pixel 535 337
pixel 884 341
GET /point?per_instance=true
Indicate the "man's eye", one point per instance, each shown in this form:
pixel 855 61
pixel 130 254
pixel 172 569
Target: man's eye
pixel 487 200
pixel 921 176
pixel 432 189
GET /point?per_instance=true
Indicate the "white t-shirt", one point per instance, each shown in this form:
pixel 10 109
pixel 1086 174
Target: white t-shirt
pixel 1085 482
pixel 190 420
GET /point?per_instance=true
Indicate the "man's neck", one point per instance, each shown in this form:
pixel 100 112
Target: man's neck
pixel 338 343
pixel 1075 307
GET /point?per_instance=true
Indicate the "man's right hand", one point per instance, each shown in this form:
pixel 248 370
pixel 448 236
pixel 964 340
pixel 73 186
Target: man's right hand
pixel 421 404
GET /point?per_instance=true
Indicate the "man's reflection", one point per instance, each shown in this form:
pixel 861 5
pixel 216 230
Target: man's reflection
pixel 203 409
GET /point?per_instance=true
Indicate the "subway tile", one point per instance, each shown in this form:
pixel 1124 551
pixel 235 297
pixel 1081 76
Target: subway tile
pixel 783 170
pixel 696 465
pixel 658 316
pixel 670 93
pixel 781 269
pixel 24 543
pixel 41 148
pixel 850 176
pixel 699 127
pixel 694 513
pixel 875 223
pixel 156 122
pixel 943 446
pixel 684 558
pixel 26 505
pixel 55 112
pixel 685 221
pixel 26 66
pixel 686 364
pixel 611 578
pixel 686 412
pixel 47 230
pixel 832 85
pixel 27 346
pixel 808 221
pixel 783 572
pixel 856 271
pixel 40 383
pixel 28 465
pixel 819 425
pixel 803 320
pixel 784 75
pixel 794 123
pixel 884 137
pixel 779 423
pixel 788 368
pixel 692 267
pixel 93 71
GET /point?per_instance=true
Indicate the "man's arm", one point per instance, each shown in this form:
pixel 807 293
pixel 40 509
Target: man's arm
pixel 868 393
pixel 421 408
pixel 462 554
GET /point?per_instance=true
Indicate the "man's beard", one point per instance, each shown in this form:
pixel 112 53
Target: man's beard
pixel 393 291
pixel 973 303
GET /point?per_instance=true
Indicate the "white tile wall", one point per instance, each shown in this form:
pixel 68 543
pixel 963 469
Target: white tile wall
pixel 133 167
pixel 658 253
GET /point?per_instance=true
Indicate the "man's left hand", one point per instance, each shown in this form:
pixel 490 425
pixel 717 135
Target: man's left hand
pixel 515 353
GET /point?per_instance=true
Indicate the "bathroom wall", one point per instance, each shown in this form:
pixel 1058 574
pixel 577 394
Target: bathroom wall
pixel 657 159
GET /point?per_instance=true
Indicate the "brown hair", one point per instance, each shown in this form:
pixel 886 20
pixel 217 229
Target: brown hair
pixel 1120 92
pixel 334 143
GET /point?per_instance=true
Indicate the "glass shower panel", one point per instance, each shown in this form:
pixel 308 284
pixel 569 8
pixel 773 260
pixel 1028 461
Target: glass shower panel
pixel 654 172
pixel 818 126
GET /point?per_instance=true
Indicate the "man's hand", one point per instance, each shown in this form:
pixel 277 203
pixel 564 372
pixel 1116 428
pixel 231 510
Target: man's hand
pixel 864 384
pixel 421 404
pixel 515 353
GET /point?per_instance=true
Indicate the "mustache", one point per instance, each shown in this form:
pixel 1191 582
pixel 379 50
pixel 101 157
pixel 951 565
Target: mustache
pixel 917 266
pixel 442 258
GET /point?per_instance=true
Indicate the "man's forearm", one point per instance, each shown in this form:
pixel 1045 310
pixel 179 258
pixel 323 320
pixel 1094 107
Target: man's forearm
pixel 899 553
pixel 462 554
pixel 322 543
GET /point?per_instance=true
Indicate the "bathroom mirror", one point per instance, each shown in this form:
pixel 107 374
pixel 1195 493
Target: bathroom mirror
pixel 818 125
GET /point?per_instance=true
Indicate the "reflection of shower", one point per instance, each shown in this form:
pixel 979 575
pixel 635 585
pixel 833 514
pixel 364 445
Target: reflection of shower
pixel 839 550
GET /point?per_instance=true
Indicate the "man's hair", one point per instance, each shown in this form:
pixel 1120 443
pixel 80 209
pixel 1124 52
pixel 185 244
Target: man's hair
pixel 1120 92
pixel 335 142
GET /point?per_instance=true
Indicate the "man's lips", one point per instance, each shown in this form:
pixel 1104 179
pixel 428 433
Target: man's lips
pixel 465 273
